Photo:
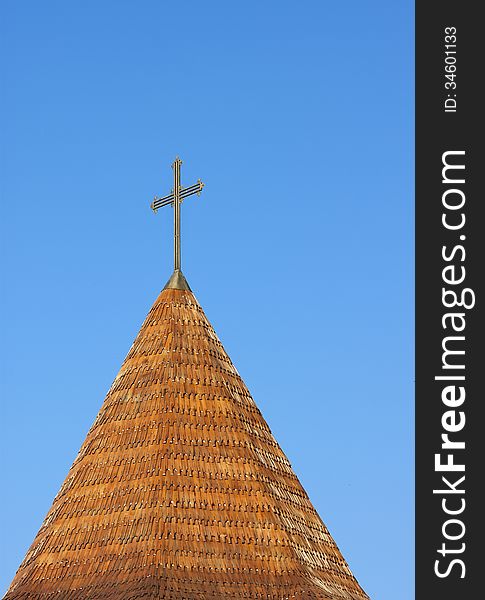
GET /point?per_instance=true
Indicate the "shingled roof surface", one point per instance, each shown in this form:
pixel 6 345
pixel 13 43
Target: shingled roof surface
pixel 180 491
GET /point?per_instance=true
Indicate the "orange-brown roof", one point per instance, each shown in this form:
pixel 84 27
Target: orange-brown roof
pixel 180 491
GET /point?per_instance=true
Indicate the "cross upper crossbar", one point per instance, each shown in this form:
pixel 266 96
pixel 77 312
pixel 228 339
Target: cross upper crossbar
pixel 184 193
pixel 175 198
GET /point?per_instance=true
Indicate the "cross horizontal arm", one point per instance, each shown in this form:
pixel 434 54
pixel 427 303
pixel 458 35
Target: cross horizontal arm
pixel 184 193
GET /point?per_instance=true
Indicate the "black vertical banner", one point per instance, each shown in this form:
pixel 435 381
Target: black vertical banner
pixel 450 236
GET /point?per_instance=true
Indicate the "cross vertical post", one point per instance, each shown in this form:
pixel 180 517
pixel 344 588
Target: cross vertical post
pixel 176 214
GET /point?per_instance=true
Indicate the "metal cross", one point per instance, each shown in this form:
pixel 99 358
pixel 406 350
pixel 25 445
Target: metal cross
pixel 178 194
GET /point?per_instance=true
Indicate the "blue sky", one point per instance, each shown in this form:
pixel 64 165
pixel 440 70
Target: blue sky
pixel 299 119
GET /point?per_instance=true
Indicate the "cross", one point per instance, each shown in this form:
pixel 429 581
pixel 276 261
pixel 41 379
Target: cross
pixel 175 198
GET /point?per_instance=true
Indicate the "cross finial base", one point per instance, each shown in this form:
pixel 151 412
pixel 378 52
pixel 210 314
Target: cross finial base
pixel 177 281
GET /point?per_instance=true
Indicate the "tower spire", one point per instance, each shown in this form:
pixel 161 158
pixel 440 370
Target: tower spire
pixel 175 198
pixel 180 490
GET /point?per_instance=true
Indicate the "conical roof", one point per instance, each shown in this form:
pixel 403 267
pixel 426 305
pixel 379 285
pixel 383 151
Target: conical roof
pixel 180 490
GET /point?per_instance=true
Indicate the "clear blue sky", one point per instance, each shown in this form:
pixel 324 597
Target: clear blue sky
pixel 298 116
